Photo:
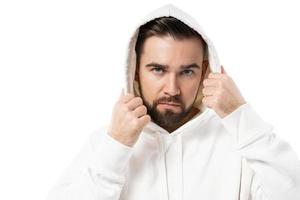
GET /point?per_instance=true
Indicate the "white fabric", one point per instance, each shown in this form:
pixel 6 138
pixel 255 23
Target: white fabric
pixel 209 158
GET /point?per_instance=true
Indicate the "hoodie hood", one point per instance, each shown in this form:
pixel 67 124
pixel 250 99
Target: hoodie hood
pixel 132 86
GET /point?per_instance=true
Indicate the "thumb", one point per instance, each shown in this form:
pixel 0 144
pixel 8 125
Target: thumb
pixel 122 92
pixel 223 70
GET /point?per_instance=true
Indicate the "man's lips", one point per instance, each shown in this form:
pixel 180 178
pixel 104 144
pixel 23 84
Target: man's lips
pixel 170 104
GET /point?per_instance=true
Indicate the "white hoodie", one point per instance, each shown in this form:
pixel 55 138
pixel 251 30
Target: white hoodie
pixel 209 158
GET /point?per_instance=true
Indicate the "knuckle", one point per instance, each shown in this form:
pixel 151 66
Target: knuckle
pixel 144 109
pixel 128 97
pixel 148 118
pixel 139 100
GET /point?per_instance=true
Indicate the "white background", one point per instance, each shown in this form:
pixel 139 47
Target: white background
pixel 61 70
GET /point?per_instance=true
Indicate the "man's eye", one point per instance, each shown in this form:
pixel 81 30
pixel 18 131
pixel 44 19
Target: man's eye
pixel 157 70
pixel 188 72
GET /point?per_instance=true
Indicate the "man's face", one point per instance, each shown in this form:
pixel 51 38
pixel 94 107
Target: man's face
pixel 169 75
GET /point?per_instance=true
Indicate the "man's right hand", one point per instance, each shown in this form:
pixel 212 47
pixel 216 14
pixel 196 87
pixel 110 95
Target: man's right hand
pixel 128 119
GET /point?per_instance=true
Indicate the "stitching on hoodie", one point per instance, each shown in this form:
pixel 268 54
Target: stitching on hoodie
pixel 240 180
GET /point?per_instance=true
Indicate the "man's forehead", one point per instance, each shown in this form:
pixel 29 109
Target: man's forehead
pixel 167 48
pixel 166 41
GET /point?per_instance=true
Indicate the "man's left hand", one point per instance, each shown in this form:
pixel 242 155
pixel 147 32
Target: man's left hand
pixel 221 94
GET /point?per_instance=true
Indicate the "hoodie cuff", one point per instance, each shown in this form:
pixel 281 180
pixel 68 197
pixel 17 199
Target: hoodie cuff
pixel 113 156
pixel 244 124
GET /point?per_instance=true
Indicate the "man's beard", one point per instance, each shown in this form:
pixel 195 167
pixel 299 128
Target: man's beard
pixel 168 118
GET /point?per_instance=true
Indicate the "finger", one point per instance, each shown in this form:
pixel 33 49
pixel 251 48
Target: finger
pixel 144 120
pixel 210 82
pixel 121 94
pixel 209 91
pixel 134 103
pixel 125 98
pixel 223 70
pixel 208 101
pixel 215 75
pixel 140 111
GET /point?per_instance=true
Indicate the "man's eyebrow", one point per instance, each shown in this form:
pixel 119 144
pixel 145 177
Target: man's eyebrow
pixel 153 64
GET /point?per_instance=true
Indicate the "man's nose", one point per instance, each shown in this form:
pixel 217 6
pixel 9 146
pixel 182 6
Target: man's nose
pixel 172 87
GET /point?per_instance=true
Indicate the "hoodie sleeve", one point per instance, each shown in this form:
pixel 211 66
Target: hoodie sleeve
pixel 274 163
pixel 96 173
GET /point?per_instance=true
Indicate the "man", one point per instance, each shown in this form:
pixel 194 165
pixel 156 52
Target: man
pixel 181 130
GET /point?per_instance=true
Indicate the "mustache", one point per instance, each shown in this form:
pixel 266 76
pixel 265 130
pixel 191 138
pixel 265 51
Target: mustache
pixel 171 99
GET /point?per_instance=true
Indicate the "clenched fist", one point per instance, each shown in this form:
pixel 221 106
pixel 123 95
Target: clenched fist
pixel 128 119
pixel 221 94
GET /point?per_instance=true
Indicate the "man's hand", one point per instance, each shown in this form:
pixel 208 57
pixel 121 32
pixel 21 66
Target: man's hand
pixel 221 94
pixel 128 119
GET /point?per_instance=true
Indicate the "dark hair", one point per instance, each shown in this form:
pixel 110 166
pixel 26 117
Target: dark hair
pixel 164 26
